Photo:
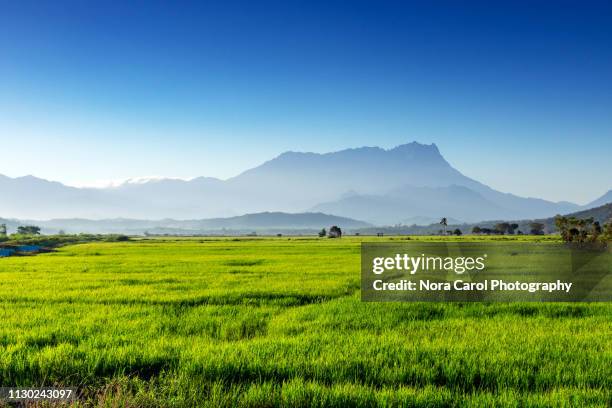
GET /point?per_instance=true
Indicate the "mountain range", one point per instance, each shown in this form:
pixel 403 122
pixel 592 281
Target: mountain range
pixel 375 185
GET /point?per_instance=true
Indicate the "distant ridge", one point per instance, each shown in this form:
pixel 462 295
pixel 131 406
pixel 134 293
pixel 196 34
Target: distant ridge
pixel 267 221
pixel 601 214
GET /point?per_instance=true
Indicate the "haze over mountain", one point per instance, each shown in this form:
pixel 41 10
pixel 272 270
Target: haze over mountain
pixel 267 222
pixel 369 183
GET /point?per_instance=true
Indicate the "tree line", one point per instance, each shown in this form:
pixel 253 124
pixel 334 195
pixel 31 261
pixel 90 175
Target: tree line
pixel 502 228
pixel 583 230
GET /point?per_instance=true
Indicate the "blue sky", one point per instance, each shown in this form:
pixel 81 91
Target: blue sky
pixel 518 96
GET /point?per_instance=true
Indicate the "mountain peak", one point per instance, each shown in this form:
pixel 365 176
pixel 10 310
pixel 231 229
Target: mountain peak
pixel 29 177
pixel 33 180
pixel 417 150
pixel 412 147
pixel 417 146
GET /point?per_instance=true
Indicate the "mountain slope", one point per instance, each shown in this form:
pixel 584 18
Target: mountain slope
pixel 604 199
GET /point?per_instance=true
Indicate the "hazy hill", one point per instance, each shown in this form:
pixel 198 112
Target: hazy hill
pixel 378 185
pixel 453 201
pixel 280 220
pixel 269 222
pixel 422 220
pixel 602 214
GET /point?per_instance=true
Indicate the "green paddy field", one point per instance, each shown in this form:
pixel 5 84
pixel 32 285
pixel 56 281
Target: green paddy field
pixel 279 322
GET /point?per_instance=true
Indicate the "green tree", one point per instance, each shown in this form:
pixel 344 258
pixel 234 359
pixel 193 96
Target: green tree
pixel 335 232
pixel 596 231
pixel 444 223
pixel 322 233
pixel 476 230
pixel 457 232
pixel 562 224
pixel 606 235
pixel 502 227
pixel 28 230
pixel 582 230
pixel 537 228
pixel 3 234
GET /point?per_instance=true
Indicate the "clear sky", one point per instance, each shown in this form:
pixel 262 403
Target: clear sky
pixel 518 96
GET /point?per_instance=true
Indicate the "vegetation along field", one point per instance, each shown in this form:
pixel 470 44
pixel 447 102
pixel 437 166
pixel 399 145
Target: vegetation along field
pixel 279 322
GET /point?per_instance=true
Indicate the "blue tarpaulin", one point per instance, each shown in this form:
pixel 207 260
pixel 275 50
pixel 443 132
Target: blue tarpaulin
pixel 4 252
pixel 28 248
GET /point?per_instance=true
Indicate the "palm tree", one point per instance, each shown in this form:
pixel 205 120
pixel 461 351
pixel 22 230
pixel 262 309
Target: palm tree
pixel 444 224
